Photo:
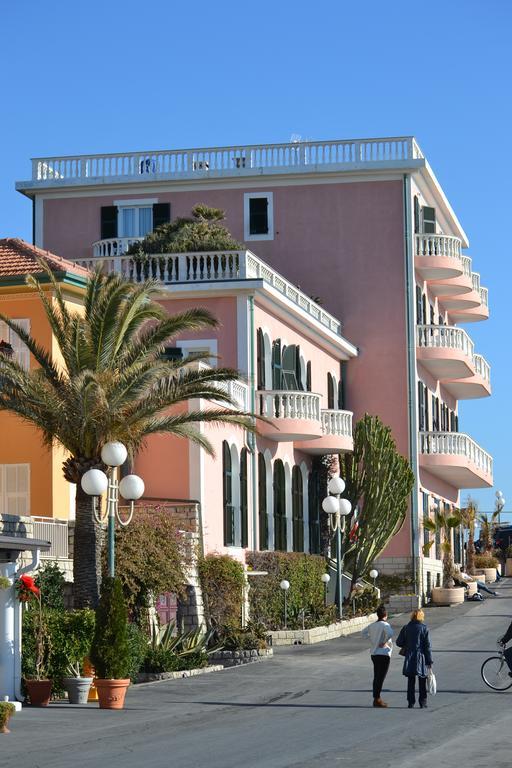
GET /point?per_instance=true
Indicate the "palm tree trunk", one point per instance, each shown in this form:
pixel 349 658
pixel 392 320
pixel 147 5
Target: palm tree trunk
pixel 87 553
pixel 470 552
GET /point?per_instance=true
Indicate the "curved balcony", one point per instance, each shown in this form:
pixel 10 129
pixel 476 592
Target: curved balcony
pixel 336 434
pixel 455 458
pixel 472 314
pixel 454 286
pixel 437 257
pixel 446 352
pixel 113 246
pixel 291 415
pixel 475 386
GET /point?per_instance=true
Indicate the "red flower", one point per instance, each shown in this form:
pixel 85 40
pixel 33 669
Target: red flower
pixel 28 585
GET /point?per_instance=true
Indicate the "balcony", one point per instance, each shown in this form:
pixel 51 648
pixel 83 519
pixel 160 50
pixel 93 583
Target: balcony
pixel 438 257
pixel 336 434
pixel 291 416
pixel 445 351
pixel 114 246
pixel 456 459
pixel 472 314
pixel 454 286
pixel 475 386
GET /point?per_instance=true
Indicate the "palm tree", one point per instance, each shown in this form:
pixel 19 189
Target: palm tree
pixel 111 383
pixel 487 526
pixel 444 522
pixel 469 516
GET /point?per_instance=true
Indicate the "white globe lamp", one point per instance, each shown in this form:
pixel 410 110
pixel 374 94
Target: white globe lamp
pixel 325 578
pixel 331 505
pixel 131 487
pixel 114 454
pixel 285 585
pixel 336 485
pixel 345 507
pixel 94 482
pixel 373 574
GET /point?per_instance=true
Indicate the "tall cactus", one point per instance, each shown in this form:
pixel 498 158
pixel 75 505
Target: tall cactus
pixel 378 483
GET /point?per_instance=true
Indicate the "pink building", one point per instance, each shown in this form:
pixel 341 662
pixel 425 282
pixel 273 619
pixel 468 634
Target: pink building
pixel 364 226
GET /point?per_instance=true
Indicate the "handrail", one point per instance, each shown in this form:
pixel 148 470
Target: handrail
pixel 445 337
pixel 439 245
pixel 289 404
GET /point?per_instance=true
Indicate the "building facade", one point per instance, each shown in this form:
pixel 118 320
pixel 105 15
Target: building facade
pixel 365 228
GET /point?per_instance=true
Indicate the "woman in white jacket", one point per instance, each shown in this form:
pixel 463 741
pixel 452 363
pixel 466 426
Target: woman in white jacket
pixel 381 645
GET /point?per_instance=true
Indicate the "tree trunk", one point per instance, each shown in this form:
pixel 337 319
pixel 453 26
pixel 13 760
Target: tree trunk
pixel 470 552
pixel 87 552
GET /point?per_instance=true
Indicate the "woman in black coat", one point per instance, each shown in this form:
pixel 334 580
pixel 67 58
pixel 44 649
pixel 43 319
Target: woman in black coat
pixel 414 638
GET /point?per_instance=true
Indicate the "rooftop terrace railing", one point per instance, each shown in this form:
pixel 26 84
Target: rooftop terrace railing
pixel 179 162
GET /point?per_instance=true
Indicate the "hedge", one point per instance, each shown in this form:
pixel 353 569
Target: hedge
pixel 306 591
pixel 223 586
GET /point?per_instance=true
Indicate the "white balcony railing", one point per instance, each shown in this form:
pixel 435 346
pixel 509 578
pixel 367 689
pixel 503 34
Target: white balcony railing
pixel 482 368
pixel 141 166
pixel 237 390
pixel 484 296
pixel 475 279
pixel 337 423
pixel 439 245
pixel 277 404
pixel 114 246
pixel 466 266
pixel 456 444
pixel 173 268
pixel 444 337
pixel 54 531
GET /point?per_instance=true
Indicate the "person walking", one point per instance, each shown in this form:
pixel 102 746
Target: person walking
pixel 381 646
pixel 414 638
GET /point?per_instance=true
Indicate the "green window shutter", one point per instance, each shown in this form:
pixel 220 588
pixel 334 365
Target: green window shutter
pixel 417 214
pixel 330 392
pixel 108 222
pixel 429 220
pixel 280 542
pixel 260 360
pixel 297 511
pixel 276 364
pixel 308 376
pixel 244 536
pixel 288 374
pixel 262 502
pixel 227 489
pixel 161 214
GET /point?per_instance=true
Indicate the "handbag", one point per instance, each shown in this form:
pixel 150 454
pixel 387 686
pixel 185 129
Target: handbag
pixel 431 683
pixel 402 651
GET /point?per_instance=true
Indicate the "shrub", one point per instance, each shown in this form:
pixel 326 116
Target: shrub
pixel 486 561
pixel 362 602
pixel 223 585
pixel 306 591
pixel 51 581
pixel 394 583
pixel 7 710
pixel 508 551
pixel 251 638
pixel 110 650
pixel 138 646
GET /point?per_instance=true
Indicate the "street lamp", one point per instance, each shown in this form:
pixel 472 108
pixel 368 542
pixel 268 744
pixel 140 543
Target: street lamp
pixel 325 579
pixel 285 586
pixel 500 503
pixel 373 575
pixel 95 482
pixel 337 509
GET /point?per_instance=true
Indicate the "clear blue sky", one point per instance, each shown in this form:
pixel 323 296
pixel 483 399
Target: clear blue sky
pixel 122 75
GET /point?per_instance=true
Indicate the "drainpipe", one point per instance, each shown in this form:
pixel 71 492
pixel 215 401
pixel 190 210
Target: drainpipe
pixel 251 437
pixel 411 374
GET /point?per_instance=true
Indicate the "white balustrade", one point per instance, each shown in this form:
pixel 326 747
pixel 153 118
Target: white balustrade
pixel 456 444
pixel 191 162
pixel 444 337
pixel 475 279
pixel 439 245
pixel 170 268
pixel 56 532
pixel 337 423
pixel 281 404
pixel 114 246
pixel 484 296
pixel 466 266
pixel 237 390
pixel 482 368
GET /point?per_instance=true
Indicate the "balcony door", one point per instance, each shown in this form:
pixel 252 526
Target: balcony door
pixel 136 221
pixel 279 486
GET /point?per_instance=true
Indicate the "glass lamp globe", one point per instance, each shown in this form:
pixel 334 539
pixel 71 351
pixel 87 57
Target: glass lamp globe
pixel 325 578
pixel 345 507
pixel 285 585
pixel 114 454
pixel 336 485
pixel 94 482
pixel 499 494
pixel 373 573
pixel 330 505
pixel 131 487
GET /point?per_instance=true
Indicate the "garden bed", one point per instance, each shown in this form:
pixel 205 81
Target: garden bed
pixel 319 634
pixel 155 677
pixel 237 658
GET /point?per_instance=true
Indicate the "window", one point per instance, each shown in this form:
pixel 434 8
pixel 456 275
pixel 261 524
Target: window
pixel 243 498
pixel 419 306
pixel 21 352
pixel 15 489
pixel 280 542
pixel 308 376
pixel 422 407
pixel 227 490
pixel 330 391
pixel 276 364
pixel 290 362
pixel 135 222
pixel 258 216
pixel 426 516
pixel 262 502
pixel 205 347
pixel 417 211
pixel 341 390
pixel 260 360
pixel 435 414
pixel 297 511
pixel 429 220
pixel 314 514
pixel 133 218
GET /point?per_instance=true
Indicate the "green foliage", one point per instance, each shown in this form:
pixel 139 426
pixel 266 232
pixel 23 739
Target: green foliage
pixel 7 710
pixel 223 586
pixel 379 482
pixel 444 523
pixel 110 650
pixel 138 646
pixel 70 635
pixel 361 603
pixel 250 638
pixel 305 596
pixel 169 652
pixel 202 232
pixel 468 517
pixel 486 560
pixel 5 583
pixel 487 527
pixel 151 558
pixel 508 551
pixel 51 581
pixel 394 583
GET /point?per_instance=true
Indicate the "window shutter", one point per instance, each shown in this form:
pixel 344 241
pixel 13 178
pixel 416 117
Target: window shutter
pixel 298 371
pixel 262 502
pixel 260 360
pixel 108 221
pixel 429 220
pixel 258 216
pixel 341 397
pixel 308 376
pixel 161 214
pixel 17 489
pixel 425 401
pixel 330 392
pixel 244 540
pixel 21 351
pixel 416 214
pixel 419 306
pixel 288 374
pixel 227 495
pixel 421 415
pixel 276 364
pixel 297 510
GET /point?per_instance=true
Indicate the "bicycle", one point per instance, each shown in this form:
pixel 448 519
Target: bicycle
pixel 495 671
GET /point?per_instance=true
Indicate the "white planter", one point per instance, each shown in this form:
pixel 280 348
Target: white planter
pixel 489 573
pixel 472 588
pixel 508 567
pixel 450 596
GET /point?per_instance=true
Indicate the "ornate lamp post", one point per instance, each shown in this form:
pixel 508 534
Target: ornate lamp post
pixel 285 586
pixel 337 509
pixel 373 575
pixel 95 483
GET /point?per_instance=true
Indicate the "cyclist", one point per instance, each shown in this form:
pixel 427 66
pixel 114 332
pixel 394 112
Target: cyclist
pixel 508 651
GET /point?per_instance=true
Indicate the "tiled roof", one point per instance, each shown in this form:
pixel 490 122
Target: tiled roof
pixel 20 258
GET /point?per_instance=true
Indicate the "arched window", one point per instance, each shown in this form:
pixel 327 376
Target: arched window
pixel 227 492
pixel 262 502
pixel 314 514
pixel 297 510
pixel 330 391
pixel 279 506
pixel 244 539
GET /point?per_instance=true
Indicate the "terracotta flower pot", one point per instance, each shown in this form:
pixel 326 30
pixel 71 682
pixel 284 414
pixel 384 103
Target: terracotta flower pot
pixel 111 693
pixel 39 692
pixel 3 727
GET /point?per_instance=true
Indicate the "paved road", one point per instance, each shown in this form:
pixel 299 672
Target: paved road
pixel 309 707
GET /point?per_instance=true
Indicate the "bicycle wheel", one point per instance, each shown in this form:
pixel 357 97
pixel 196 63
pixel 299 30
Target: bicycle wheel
pixel 494 673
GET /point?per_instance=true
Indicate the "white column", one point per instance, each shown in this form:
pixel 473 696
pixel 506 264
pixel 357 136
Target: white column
pixel 10 637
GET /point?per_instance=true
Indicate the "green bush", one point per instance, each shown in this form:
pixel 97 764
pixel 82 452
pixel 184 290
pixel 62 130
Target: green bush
pixel 223 585
pixel 51 581
pixel 110 650
pixel 486 561
pixel 138 646
pixel 251 638
pixel 394 583
pixel 306 594
pixel 361 603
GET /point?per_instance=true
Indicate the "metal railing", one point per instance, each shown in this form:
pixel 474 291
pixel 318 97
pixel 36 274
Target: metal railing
pixel 54 531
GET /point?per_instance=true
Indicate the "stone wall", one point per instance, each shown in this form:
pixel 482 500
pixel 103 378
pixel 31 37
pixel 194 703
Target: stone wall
pixel 403 603
pixel 237 658
pixel 319 634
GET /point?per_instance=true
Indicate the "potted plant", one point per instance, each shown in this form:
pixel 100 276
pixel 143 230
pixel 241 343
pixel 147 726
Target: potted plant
pixel 486 566
pixel 38 685
pixel 7 710
pixel 110 651
pixel 444 522
pixel 77 684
